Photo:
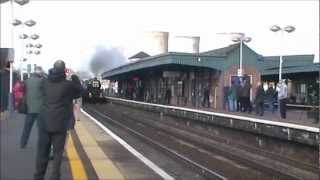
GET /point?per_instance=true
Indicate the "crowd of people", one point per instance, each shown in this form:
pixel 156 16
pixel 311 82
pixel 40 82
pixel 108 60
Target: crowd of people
pixel 237 98
pixel 50 102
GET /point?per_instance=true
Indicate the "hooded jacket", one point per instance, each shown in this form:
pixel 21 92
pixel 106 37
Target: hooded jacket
pixel 58 94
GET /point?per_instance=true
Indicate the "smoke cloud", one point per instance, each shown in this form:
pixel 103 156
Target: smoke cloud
pixel 105 59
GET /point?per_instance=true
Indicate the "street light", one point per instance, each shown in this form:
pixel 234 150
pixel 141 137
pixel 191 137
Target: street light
pixel 23 36
pixel 288 29
pixel 30 23
pixel 34 36
pixel 36 52
pixel 38 45
pixel 241 38
pixel 14 23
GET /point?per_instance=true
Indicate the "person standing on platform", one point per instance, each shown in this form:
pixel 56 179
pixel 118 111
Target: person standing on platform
pixel 232 97
pixel 18 93
pixel 271 99
pixel 238 94
pixel 77 103
pixel 246 95
pixel 168 96
pixel 225 102
pixel 34 103
pixel 206 97
pixel 54 119
pixel 259 99
pixel 282 96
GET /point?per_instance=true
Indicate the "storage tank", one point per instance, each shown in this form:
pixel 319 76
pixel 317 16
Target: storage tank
pixel 156 42
pixel 187 44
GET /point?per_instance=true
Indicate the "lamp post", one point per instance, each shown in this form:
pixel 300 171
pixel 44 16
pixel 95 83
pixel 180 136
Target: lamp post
pixel 29 23
pixel 241 38
pixel 288 29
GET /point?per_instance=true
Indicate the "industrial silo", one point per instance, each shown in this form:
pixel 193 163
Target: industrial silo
pixel 156 42
pixel 187 44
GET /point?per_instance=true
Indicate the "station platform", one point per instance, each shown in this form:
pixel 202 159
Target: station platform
pixel 91 153
pixel 296 127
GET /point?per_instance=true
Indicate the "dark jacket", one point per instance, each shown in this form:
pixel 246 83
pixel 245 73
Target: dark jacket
pixel 33 95
pixel 58 94
pixel 238 90
pixel 260 95
pixel 246 90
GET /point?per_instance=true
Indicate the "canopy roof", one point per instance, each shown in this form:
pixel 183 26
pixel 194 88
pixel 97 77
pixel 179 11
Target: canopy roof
pixel 218 59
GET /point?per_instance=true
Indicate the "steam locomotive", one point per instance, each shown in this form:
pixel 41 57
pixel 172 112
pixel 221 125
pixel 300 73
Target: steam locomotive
pixel 93 92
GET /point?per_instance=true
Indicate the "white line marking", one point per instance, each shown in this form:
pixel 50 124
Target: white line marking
pixel 146 161
pixel 263 121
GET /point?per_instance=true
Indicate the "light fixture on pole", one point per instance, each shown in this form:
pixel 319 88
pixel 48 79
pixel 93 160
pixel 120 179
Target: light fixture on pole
pixel 36 52
pixel 29 45
pixel 240 39
pixel 38 45
pixel 15 22
pixel 23 36
pixel 30 23
pixel 21 2
pixel 35 36
pixel 288 29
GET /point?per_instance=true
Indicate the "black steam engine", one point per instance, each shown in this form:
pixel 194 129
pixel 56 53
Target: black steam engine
pixel 93 92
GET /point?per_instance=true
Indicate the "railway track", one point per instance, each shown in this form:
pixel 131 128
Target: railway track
pixel 200 153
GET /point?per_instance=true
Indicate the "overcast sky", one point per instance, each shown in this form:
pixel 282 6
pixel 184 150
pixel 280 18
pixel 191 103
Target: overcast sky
pixel 72 30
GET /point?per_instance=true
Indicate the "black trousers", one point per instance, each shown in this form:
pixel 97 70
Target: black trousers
pixel 28 124
pixel 238 104
pixel 206 102
pixel 245 104
pixel 242 103
pixel 45 140
pixel 283 108
pixel 259 108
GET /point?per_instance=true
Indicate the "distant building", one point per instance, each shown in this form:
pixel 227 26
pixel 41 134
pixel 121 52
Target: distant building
pixel 138 56
pixel 187 74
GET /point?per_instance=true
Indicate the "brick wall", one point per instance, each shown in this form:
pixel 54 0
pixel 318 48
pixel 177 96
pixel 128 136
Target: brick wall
pixel 232 71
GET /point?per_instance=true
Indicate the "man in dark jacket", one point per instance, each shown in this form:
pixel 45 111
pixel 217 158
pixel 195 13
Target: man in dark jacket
pixel 54 119
pixel 259 100
pixel 246 95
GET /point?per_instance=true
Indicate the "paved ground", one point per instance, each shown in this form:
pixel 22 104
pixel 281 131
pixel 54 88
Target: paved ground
pixel 90 154
pixel 19 163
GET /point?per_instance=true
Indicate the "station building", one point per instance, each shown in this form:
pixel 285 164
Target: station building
pixel 189 75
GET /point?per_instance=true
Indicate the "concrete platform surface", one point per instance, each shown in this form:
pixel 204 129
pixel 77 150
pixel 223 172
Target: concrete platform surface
pixel 90 153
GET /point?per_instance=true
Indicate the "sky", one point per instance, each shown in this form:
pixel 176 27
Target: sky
pixel 74 30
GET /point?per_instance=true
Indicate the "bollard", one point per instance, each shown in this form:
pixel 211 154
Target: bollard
pixel 161 115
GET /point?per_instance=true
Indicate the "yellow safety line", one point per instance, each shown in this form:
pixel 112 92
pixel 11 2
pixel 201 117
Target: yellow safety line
pixel 103 166
pixel 77 167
